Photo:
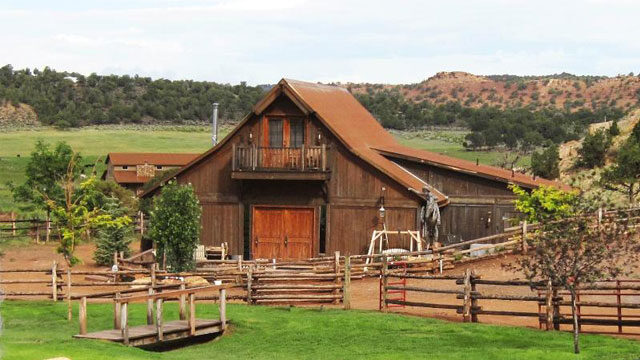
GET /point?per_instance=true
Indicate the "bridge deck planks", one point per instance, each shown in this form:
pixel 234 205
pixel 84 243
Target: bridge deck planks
pixel 146 334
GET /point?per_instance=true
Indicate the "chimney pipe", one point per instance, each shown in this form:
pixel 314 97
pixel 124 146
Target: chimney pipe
pixel 214 130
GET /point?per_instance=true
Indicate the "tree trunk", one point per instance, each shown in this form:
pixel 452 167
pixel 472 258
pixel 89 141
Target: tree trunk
pixel 576 329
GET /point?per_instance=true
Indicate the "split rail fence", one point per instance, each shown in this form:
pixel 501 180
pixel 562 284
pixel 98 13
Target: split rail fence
pixel 611 303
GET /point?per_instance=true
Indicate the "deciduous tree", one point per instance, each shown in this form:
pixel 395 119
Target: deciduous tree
pixel 573 247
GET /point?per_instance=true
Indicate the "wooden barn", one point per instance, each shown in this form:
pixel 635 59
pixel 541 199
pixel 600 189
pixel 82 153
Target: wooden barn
pixel 308 171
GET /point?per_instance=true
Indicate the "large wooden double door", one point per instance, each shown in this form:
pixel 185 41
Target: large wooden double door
pixel 282 232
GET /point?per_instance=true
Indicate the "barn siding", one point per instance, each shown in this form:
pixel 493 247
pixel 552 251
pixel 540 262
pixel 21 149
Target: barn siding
pixel 454 183
pixel 351 227
pixel 219 224
pixel 473 200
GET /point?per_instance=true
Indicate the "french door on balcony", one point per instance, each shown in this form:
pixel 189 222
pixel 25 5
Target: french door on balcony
pixel 282 232
pixel 282 142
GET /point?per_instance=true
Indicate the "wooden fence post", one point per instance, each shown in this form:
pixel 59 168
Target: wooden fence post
pixel 525 244
pixel 474 301
pixel 346 292
pixel 183 304
pixel 54 281
pixel 556 309
pixel 48 228
pixel 124 323
pixel 466 304
pixel 117 312
pixel 13 223
pixel 336 266
pixel 150 308
pixel 192 314
pixel 152 274
pixel 69 315
pixel 249 281
pixel 385 281
pixel 223 309
pixel 37 225
pixel 82 315
pixel 141 223
pixel 239 277
pixel 618 301
pixel 549 306
pixel 159 319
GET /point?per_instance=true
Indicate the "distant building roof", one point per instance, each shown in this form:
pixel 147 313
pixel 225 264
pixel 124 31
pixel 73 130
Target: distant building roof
pixel 165 159
pixel 129 177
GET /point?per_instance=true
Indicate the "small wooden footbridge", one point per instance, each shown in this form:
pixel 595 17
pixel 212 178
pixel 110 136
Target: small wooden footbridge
pixel 157 331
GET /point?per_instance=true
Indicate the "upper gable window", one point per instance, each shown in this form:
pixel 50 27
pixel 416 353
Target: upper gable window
pixel 275 133
pixel 296 133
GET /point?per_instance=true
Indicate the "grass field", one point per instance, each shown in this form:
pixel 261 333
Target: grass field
pixel 39 330
pixel 95 142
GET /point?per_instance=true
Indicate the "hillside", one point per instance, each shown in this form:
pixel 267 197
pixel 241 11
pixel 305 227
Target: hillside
pixel 569 150
pixel 68 99
pixel 563 91
pixel 502 111
pixel 17 116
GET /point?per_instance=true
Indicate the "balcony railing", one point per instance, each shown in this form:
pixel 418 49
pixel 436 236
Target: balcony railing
pixel 302 159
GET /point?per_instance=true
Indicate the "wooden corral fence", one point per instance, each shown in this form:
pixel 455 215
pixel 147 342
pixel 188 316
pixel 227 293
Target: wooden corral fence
pixel 43 229
pixel 465 295
pixel 611 303
pixel 157 330
pixel 297 285
pixel 39 230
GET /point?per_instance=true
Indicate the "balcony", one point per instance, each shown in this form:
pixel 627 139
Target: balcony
pixel 287 163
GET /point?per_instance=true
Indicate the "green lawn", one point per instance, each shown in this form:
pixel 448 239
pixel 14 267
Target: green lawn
pixel 449 142
pixel 38 330
pixel 94 144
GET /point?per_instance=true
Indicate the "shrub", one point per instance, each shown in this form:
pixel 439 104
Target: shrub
pixel 614 130
pixel 175 225
pixel 594 149
pixel 545 163
pixel 112 239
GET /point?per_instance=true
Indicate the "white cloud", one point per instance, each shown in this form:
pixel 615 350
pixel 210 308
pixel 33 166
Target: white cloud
pixel 375 41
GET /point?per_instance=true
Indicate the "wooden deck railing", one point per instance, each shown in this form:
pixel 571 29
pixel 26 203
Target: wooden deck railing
pixel 257 158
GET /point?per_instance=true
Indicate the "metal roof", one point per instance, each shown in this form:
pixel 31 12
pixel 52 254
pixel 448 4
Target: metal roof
pixel 468 167
pixel 129 177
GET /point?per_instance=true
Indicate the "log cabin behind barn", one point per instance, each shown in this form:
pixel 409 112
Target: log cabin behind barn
pixel 308 170
pixel 133 170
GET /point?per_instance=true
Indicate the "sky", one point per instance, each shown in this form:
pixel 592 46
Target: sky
pixel 261 41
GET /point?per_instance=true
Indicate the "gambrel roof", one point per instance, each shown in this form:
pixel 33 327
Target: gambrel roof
pixel 363 135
